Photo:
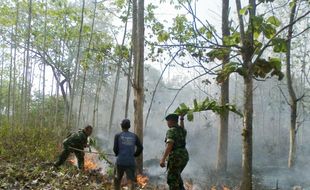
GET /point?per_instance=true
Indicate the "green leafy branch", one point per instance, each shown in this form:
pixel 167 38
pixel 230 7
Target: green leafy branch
pixel 102 155
pixel 205 105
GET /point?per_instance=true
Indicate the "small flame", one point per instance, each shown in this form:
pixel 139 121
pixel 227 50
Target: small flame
pixel 224 187
pixel 89 162
pixel 142 180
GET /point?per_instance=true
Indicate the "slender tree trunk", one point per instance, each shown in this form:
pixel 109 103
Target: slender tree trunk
pixel 44 66
pixel 117 77
pixel 128 84
pixel 115 90
pixel 82 97
pixel 56 106
pixel 76 68
pixel 13 122
pixel 247 133
pixel 129 72
pixel 139 74
pixel 293 99
pixel 10 78
pixel 1 85
pixel 96 101
pixel 85 69
pixel 27 69
pixel 223 130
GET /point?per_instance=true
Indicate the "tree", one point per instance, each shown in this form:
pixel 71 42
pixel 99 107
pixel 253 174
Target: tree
pixel 293 100
pixel 256 35
pixel 223 128
pixel 138 84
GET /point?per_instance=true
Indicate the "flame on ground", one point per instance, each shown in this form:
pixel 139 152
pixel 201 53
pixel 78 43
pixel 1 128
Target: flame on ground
pixel 142 180
pixel 89 162
pixel 224 187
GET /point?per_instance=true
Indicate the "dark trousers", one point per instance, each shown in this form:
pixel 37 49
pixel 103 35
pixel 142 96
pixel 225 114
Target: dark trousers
pixel 119 173
pixel 65 154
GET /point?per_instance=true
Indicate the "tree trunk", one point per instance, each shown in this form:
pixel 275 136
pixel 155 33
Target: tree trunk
pixel 76 68
pixel 117 77
pixel 293 99
pixel 1 85
pixel 26 87
pixel 85 69
pixel 115 90
pixel 129 71
pixel 44 65
pixel 10 78
pixel 138 13
pixel 247 135
pixel 81 97
pixel 223 130
pixel 13 122
pixel 128 85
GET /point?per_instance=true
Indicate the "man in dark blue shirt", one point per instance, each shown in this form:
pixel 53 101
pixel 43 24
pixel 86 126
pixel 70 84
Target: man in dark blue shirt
pixel 127 146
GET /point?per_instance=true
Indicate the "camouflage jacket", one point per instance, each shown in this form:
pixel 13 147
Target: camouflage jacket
pixel 76 140
pixel 177 135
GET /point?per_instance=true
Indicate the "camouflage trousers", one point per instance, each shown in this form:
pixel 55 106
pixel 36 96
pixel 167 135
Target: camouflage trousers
pixel 65 154
pixel 176 165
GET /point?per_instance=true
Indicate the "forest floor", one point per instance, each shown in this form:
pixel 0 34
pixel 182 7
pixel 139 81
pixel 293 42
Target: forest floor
pixel 27 154
pixel 26 162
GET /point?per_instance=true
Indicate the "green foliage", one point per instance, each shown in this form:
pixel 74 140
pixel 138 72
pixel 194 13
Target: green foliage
pixel 267 27
pixel 279 45
pixel 28 142
pixel 120 3
pixel 122 51
pixel 274 21
pixel 244 10
pixel 219 53
pixel 205 105
pixel 229 68
pixel 262 67
pixel 233 39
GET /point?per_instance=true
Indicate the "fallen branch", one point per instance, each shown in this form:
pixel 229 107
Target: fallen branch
pixel 102 155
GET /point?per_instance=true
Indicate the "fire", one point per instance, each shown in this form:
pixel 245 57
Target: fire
pixel 224 187
pixel 89 162
pixel 142 180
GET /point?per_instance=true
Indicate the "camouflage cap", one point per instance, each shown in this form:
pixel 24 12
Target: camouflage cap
pixel 172 116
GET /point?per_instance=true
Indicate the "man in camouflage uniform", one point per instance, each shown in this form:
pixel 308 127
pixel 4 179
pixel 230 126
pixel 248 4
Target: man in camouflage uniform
pixel 175 152
pixel 75 143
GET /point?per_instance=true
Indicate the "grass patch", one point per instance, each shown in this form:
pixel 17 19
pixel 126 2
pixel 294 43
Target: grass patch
pixel 21 143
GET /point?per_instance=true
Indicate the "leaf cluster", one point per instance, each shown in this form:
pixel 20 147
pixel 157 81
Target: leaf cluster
pixel 261 68
pixel 205 105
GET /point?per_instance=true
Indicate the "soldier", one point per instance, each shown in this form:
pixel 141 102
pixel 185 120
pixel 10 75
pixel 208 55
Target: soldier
pixel 175 152
pixel 126 147
pixel 75 142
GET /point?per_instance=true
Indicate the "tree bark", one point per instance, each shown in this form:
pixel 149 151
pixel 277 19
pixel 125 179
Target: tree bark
pixel 138 13
pixel 13 122
pixel 44 66
pixel 292 94
pixel 247 51
pixel 26 86
pixel 76 68
pixel 1 85
pixel 247 145
pixel 118 71
pixel 224 117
